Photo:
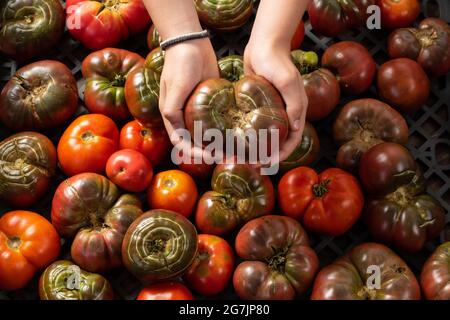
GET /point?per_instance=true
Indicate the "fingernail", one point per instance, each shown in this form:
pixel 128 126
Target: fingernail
pixel 297 124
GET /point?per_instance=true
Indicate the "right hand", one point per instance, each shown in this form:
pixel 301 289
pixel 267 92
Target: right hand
pixel 186 65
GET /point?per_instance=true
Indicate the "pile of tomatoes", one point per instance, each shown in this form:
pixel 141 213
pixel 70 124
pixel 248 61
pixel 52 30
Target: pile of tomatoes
pixel 124 206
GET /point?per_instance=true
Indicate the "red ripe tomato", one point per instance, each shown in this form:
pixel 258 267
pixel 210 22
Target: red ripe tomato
pixel 198 171
pixel 398 13
pixel 28 243
pixel 152 142
pixel 87 144
pixel 298 37
pixel 435 276
pixel 101 24
pixel 130 170
pixel 165 291
pixel 211 270
pixel 328 203
pixel 173 190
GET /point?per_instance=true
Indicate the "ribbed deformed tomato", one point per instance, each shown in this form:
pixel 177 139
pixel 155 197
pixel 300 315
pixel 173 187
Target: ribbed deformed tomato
pixel 231 67
pixel 170 290
pixel 398 13
pixel 363 123
pixel 249 104
pixel 27 166
pixel 239 194
pixel 435 277
pixel 353 64
pixel 105 72
pixel 224 15
pixel 306 152
pixel 104 23
pixel 329 203
pixel 279 264
pixel 64 280
pixel 333 17
pixel 87 144
pixel 28 243
pixel 212 269
pixel 321 86
pixel 355 276
pixel 428 45
pixel 403 84
pixel 398 212
pixel 30 27
pixel 142 89
pixel 159 245
pixel 89 208
pixel 38 96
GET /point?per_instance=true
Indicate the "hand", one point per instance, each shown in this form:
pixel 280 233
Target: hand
pixel 186 64
pixel 272 60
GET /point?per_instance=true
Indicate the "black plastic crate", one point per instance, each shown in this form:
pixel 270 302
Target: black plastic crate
pixel 429 139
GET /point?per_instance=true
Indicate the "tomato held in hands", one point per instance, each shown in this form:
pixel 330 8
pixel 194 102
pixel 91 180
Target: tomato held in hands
pixel 279 264
pixel 211 270
pixel 87 144
pixel 130 170
pixel 353 64
pixel 101 24
pixel 398 13
pixel 329 203
pixel 165 291
pixel 28 243
pixel 403 84
pixel 435 277
pixel 173 190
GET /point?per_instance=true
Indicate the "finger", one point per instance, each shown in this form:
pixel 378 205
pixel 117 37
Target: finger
pixel 176 95
pixel 294 95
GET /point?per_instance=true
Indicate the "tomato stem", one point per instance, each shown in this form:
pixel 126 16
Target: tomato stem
pixel 278 261
pixel 157 246
pixel 14 243
pixel 87 136
pixel 321 188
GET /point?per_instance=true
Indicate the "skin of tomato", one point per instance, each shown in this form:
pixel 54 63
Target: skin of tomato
pixel 37 245
pixel 130 170
pixel 201 171
pixel 211 270
pixel 152 142
pixel 435 276
pixel 298 37
pixel 165 291
pixel 173 190
pixel 87 144
pixel 398 13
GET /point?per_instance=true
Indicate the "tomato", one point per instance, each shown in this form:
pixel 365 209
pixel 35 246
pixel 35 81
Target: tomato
pixel 201 171
pixel 130 170
pixel 105 72
pixel 363 123
pixel 231 67
pixel 28 164
pixel 55 280
pixel 142 89
pixel 173 190
pixel 88 207
pixel 398 212
pixel 403 84
pixel 398 13
pixel 428 45
pixel 306 151
pixel 298 37
pixel 333 17
pixel 435 277
pixel 87 144
pixel 104 23
pixel 329 203
pixel 353 64
pixel 321 86
pixel 152 142
pixel 278 262
pixel 224 15
pixel 29 28
pixel 211 270
pixel 351 277
pixel 222 105
pixel 28 243
pixel 239 194
pixel 153 38
pixel 38 96
pixel 165 291
pixel 159 245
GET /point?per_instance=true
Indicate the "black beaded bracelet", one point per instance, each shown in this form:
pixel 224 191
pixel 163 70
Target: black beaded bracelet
pixel 185 37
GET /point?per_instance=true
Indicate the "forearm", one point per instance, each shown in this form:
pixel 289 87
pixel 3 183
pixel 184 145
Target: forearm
pixel 173 17
pixel 277 22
